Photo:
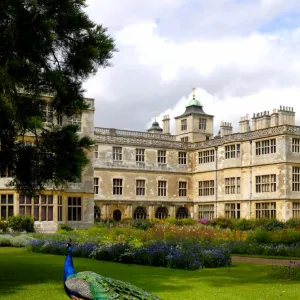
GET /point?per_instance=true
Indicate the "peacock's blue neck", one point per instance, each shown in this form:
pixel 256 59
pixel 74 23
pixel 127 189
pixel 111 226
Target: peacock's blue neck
pixel 68 267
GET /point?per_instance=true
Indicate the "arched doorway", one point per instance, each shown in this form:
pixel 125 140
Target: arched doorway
pixel 161 213
pixel 97 213
pixel 140 213
pixel 117 215
pixel 182 213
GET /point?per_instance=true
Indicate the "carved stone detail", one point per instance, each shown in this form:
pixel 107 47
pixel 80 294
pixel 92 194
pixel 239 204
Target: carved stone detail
pixel 136 138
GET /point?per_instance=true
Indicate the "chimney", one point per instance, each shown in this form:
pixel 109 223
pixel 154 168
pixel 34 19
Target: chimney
pixel 166 124
pixel 274 118
pixel 225 128
pixel 286 116
pixel 244 124
pixel 254 121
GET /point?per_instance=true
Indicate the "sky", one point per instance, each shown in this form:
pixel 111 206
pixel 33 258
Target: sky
pixel 243 57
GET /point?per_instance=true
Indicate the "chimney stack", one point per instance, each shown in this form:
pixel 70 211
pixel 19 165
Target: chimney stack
pixel 166 124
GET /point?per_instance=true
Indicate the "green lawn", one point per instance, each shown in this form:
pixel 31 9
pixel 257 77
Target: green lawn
pixel 25 275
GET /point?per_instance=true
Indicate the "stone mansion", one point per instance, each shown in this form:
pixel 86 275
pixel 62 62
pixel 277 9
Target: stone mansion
pixel 253 173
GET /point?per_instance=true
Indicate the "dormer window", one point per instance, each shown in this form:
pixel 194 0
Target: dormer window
pixel 202 124
pixel 183 124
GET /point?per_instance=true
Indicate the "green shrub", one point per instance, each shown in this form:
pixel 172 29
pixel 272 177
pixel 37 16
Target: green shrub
pixel 142 224
pixel 183 222
pixel 260 236
pixel 245 225
pixel 272 224
pixel 293 223
pixel 222 223
pixel 21 223
pixel 65 227
pixel 4 226
pixel 172 221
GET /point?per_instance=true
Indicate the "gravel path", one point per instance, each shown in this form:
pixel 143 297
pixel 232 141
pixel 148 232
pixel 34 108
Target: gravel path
pixel 263 261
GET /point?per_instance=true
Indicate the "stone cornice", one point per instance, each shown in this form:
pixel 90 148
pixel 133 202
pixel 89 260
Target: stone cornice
pixel 144 139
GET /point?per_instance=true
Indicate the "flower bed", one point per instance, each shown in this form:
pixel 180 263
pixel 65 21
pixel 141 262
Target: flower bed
pixel 159 253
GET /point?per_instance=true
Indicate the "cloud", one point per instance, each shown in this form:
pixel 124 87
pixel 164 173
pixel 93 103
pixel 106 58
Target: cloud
pixel 168 46
pixel 234 108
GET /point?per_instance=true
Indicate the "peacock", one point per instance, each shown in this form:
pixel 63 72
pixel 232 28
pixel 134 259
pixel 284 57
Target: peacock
pixel 88 285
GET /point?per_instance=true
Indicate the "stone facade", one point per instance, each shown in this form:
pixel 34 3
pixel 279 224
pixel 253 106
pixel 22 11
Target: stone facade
pixel 253 173
pixel 248 174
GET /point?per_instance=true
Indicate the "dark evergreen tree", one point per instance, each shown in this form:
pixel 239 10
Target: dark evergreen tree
pixel 46 47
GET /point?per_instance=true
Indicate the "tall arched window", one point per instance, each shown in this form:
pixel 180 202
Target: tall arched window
pixel 140 213
pixel 182 213
pixel 161 213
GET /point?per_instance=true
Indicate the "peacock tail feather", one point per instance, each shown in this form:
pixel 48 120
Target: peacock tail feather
pixel 91 286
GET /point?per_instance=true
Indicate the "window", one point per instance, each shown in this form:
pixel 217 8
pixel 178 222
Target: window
pixel 162 188
pixel 182 158
pixel 40 207
pixel 183 125
pixel 59 208
pixel 265 147
pixel 182 188
pixel 44 204
pixel 96 185
pixel 161 213
pixel 161 157
pixel 206 211
pixel 232 185
pixel 296 179
pixel 117 153
pixel 296 145
pixel 296 210
pixel 140 187
pixel 206 188
pixel 140 213
pixel 182 213
pixel 266 210
pixel 96 152
pixel 139 155
pixel 206 156
pixel 202 124
pixel 25 205
pixel 117 186
pixel 74 209
pixel 265 183
pixel 76 120
pixel 184 139
pixel 233 210
pixel 6 206
pixel 232 151
pixel 47 113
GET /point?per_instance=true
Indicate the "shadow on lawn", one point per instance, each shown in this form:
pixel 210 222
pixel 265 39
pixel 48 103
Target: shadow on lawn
pixel 19 268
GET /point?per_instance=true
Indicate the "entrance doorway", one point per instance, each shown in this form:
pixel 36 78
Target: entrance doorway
pixel 117 215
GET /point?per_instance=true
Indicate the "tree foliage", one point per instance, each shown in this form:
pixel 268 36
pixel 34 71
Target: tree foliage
pixel 47 47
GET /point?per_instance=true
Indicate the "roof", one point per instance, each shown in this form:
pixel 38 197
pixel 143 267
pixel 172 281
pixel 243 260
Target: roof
pixel 194 107
pixel 155 127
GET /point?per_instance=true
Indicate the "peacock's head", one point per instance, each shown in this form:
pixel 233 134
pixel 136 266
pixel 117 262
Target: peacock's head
pixel 69 246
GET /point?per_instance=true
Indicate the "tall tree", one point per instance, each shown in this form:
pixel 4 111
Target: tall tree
pixel 46 47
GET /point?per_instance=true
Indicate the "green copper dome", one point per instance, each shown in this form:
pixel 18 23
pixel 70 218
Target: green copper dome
pixel 194 102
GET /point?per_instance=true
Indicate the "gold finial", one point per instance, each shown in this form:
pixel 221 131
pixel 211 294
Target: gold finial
pixel 194 89
pixel 155 113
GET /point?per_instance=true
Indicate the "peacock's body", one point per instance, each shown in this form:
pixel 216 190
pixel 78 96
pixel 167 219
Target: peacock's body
pixel 91 286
